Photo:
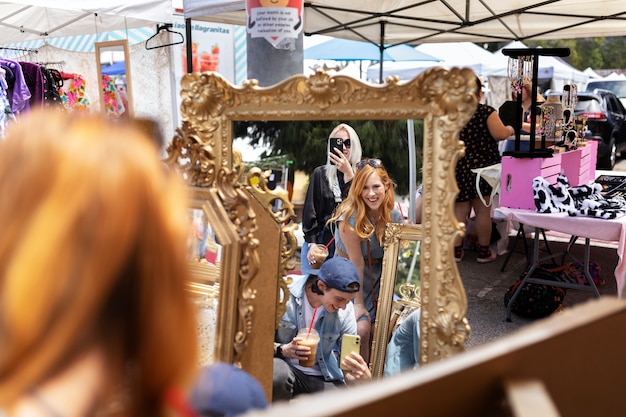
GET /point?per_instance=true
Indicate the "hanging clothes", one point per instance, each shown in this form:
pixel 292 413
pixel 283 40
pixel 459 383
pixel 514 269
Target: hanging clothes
pixel 72 92
pixel 53 81
pixel 113 104
pixel 33 76
pixel 6 115
pixel 17 92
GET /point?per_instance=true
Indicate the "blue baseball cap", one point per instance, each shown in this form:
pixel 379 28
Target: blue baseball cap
pixel 223 390
pixel 339 273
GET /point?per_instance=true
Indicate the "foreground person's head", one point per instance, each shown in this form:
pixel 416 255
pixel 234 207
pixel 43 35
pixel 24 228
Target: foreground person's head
pixel 92 261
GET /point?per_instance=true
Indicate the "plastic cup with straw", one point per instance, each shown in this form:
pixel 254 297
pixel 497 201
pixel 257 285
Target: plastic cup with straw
pixel 309 337
pixel 320 253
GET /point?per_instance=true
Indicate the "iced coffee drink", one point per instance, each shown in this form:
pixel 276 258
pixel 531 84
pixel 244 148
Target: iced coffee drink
pixel 311 340
pixel 320 253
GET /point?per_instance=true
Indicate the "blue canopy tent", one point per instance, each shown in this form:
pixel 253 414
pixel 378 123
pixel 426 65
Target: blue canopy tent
pixel 117 68
pixel 349 50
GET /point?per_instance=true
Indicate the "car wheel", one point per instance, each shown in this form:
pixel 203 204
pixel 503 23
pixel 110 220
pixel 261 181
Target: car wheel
pixel 608 160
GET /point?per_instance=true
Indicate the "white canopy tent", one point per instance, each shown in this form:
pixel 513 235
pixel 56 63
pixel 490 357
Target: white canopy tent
pixel 554 72
pixel 389 22
pixel 550 67
pixel 591 73
pixel 26 21
pixel 23 20
pixel 415 22
pixel 452 54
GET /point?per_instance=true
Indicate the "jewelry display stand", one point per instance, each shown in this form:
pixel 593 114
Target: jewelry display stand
pixel 521 63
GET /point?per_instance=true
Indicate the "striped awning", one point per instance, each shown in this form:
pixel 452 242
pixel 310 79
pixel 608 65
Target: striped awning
pixel 85 43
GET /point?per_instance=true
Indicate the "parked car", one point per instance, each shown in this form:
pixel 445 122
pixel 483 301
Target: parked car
pixel 606 122
pixel 617 87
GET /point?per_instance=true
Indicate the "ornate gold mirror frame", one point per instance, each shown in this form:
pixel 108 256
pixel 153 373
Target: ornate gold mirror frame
pixel 202 152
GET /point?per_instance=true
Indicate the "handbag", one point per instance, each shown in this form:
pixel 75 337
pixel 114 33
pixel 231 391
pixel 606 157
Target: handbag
pixel 536 300
pixel 491 174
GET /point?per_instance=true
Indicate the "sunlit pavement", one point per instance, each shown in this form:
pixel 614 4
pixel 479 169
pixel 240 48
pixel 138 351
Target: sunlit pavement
pixel 485 285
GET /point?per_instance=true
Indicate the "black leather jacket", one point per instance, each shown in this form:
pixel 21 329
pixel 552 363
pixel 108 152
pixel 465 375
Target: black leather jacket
pixel 320 204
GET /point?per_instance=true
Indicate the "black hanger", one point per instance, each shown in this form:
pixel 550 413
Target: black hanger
pixel 166 27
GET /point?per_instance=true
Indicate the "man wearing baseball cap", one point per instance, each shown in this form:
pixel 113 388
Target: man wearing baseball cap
pixel 320 301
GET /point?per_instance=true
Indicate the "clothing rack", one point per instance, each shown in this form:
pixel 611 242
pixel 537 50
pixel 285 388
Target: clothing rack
pixel 11 48
pixel 46 64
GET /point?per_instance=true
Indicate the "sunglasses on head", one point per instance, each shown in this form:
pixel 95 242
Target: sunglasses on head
pixel 374 163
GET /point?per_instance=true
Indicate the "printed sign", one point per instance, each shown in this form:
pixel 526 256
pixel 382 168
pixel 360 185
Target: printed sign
pixel 212 48
pixel 275 20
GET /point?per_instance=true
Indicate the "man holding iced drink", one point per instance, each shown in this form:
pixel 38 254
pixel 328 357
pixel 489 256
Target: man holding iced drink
pixel 308 340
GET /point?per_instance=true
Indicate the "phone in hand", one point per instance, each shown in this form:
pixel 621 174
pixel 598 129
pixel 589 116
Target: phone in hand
pixel 349 343
pixel 336 143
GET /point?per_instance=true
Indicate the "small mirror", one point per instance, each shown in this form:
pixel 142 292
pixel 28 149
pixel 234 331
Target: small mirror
pixel 399 289
pixel 113 63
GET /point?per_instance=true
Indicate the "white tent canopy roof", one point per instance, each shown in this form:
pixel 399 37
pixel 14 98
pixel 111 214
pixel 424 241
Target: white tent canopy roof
pixel 453 54
pixel 23 20
pixel 416 22
pixel 481 61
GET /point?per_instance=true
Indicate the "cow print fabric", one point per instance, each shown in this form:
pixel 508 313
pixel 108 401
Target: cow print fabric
pixel 582 200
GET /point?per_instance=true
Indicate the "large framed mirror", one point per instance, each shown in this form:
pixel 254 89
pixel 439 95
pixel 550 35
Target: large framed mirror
pixel 115 90
pixel 202 150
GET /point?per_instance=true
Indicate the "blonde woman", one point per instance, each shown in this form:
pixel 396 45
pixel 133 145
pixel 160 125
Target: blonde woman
pixel 95 317
pixel 361 221
pixel 328 186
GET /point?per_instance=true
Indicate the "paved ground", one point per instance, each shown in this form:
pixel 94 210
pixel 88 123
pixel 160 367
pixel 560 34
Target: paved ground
pixel 485 285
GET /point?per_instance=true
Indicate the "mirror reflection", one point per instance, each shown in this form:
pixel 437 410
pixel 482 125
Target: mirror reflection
pixel 203 259
pixel 328 183
pixel 202 242
pixel 115 80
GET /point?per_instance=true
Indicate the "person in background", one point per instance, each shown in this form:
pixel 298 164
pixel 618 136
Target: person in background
pixel 404 346
pixel 328 186
pixel 527 95
pixel 419 203
pixel 95 315
pixel 322 302
pixel 361 222
pixel 480 136
pixel 223 390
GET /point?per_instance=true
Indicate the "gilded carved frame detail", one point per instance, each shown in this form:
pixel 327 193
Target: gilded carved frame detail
pixel 202 152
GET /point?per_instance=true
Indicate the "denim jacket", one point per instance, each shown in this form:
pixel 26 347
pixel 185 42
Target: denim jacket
pixel 330 326
pixel 403 348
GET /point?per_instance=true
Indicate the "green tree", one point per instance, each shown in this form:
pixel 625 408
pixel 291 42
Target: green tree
pixel 613 52
pixel 596 53
pixel 305 143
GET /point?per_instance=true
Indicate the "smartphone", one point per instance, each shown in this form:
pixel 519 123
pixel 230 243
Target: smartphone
pixel 336 143
pixel 349 343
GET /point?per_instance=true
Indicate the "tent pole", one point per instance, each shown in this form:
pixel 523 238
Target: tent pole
pixel 188 44
pixel 381 47
pixel 412 170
